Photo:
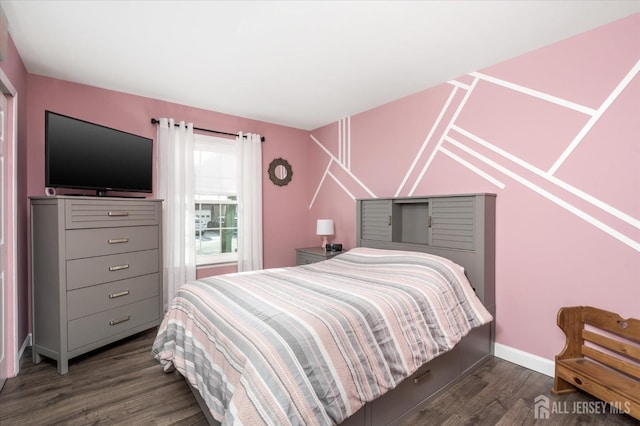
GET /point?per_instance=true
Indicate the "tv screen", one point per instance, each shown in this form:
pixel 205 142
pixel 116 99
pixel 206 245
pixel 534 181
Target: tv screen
pixel 83 155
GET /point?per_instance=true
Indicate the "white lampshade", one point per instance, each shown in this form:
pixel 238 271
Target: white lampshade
pixel 324 227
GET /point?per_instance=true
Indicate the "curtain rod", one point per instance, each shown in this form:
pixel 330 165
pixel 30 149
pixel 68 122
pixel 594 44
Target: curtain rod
pixel 262 138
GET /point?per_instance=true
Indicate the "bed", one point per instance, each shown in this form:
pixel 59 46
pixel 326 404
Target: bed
pixel 364 338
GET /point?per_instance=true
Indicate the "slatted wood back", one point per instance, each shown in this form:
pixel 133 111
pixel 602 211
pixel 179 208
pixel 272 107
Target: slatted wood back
pixel 611 340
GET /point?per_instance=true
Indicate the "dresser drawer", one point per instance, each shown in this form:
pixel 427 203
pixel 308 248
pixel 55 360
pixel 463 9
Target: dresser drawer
pixel 102 325
pixel 103 269
pixel 100 214
pixel 102 297
pixel 102 241
pixel 415 389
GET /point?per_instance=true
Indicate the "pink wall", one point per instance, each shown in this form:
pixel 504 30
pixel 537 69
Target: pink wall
pixel 568 220
pixel 284 209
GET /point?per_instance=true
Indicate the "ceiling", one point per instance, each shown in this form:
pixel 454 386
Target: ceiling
pixel 302 64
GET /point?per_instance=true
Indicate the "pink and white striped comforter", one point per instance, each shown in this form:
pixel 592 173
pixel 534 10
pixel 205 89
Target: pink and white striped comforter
pixel 311 344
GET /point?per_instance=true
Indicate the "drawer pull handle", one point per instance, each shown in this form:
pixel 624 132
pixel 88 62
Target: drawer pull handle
pixel 118 240
pixel 119 320
pixel 118 267
pixel 389 221
pixel 122 213
pixel 423 376
pixel 118 294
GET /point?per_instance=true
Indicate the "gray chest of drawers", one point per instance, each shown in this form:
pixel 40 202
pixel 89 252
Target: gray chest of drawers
pixel 96 268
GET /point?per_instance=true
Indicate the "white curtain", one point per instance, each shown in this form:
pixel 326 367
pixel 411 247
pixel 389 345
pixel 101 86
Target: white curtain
pixel 176 188
pixel 249 187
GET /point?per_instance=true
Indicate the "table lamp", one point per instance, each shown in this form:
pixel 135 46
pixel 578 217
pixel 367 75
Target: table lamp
pixel 324 228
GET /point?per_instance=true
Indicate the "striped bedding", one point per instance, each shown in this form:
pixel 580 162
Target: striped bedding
pixel 309 345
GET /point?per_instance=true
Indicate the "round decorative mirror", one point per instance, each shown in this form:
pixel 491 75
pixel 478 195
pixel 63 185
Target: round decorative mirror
pixel 280 171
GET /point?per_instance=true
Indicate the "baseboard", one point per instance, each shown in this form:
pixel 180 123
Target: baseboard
pixel 516 356
pixel 525 359
pixel 25 345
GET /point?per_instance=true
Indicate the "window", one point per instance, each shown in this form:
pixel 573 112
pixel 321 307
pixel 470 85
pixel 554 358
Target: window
pixel 216 209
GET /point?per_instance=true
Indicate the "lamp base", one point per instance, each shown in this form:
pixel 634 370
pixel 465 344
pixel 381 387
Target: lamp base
pixel 324 242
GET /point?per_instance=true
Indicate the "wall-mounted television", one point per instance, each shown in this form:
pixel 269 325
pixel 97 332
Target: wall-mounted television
pixel 84 155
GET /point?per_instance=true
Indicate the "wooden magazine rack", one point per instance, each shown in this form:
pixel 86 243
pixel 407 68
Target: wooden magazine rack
pixel 601 357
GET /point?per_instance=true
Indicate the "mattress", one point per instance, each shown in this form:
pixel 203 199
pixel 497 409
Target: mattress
pixel 312 344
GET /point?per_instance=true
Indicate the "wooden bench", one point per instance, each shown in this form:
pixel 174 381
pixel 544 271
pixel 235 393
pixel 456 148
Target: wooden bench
pixel 601 357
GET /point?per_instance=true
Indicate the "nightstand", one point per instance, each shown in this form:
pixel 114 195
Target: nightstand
pixel 305 256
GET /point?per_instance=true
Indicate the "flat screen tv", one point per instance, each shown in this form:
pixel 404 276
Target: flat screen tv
pixel 84 155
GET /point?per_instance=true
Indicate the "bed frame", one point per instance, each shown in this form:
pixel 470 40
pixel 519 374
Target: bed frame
pixel 458 227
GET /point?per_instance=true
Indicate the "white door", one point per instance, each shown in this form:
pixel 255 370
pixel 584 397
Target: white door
pixel 5 291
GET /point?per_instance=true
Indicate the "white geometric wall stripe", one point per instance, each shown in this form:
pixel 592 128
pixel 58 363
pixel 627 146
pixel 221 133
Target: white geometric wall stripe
pixel 549 177
pixel 471 167
pixel 344 142
pixel 439 144
pixel 334 160
pixel 534 93
pixel 549 195
pixel 421 151
pixel 596 116
pixel 467 150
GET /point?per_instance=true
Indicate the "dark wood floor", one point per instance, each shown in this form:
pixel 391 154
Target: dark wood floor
pixel 123 384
